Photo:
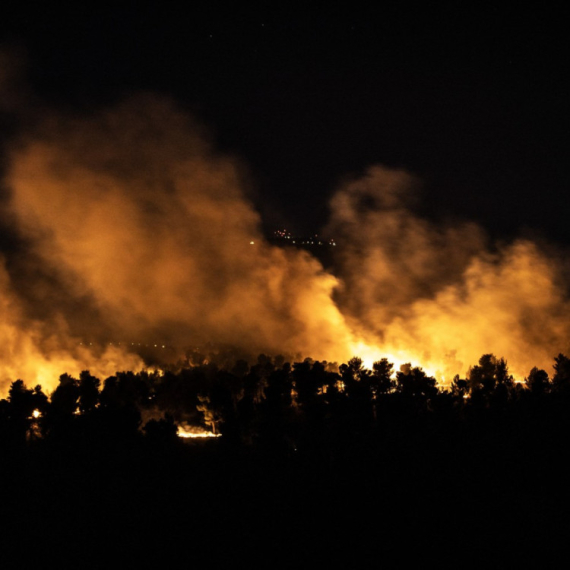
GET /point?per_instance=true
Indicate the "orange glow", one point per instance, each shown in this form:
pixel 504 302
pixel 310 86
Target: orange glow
pixel 371 354
pixel 149 237
pixel 193 432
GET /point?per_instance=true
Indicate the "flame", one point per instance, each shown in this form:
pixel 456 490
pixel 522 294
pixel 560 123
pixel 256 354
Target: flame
pixel 192 432
pixel 370 354
pixel 132 224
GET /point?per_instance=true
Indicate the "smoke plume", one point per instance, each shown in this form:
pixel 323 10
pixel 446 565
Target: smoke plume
pixel 147 233
pixel 126 226
pixel 437 294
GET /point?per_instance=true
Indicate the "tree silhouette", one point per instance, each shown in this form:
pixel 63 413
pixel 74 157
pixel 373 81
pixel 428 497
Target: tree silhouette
pixel 489 374
pixel 88 392
pixel 538 381
pixel 413 382
pixel 561 378
pixel 22 403
pixel 64 398
pixel 459 387
pixel 382 382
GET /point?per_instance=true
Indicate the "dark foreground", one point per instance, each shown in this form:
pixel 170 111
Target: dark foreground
pixel 487 500
pixel 315 468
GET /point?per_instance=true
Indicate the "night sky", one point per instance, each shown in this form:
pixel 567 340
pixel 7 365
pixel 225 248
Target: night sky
pixel 472 100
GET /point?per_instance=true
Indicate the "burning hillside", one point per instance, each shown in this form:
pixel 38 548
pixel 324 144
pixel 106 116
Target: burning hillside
pixel 129 224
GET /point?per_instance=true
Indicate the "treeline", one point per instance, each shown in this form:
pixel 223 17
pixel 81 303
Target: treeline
pixel 273 404
pixel 344 464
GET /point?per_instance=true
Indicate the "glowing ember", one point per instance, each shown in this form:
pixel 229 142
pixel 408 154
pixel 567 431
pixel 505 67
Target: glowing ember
pixel 195 432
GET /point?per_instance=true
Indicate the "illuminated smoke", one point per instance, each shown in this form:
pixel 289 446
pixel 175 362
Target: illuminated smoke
pixel 435 293
pixel 146 232
pixel 40 352
pixel 130 226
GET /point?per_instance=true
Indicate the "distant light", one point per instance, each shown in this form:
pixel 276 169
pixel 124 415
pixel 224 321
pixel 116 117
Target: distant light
pixel 251 243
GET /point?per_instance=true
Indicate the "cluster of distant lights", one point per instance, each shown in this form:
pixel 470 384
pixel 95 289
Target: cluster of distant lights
pixel 286 235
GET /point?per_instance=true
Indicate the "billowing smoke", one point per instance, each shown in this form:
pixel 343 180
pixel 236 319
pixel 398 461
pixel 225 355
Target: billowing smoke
pixel 437 294
pixel 138 229
pixel 127 225
pixel 40 351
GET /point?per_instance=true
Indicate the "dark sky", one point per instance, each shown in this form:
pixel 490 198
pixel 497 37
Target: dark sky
pixel 473 100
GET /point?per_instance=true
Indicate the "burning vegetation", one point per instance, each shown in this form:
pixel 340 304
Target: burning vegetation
pixel 127 224
pixel 127 228
pixel 303 447
pixel 272 401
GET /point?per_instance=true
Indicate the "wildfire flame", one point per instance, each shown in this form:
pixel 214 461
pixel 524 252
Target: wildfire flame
pixel 131 223
pixel 370 354
pixel 193 432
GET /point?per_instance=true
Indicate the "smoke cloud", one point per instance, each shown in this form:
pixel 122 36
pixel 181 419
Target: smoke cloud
pixel 437 294
pixel 128 226
pixel 40 351
pixel 145 232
